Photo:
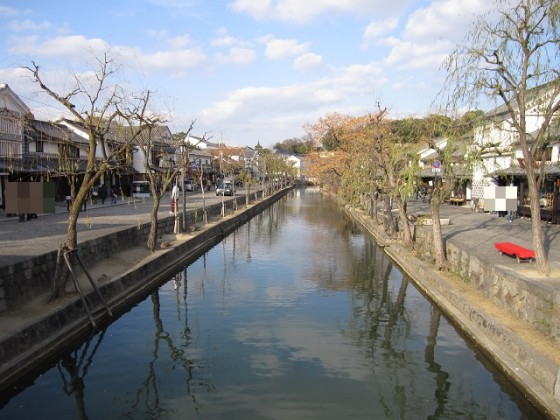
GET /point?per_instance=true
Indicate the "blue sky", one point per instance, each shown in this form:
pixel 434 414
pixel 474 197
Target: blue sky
pixel 247 71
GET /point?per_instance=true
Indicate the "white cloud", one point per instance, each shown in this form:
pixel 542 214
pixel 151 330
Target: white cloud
pixel 276 113
pixel 411 83
pixel 278 49
pixel 158 34
pixel 8 11
pixel 173 59
pixel 305 11
pixel 308 61
pixel 237 55
pixel 266 103
pixel 28 25
pixel 224 41
pixel 180 41
pixel 380 27
pixel 412 55
pixel 431 33
pixel 448 19
pixel 258 9
pixel 79 49
pixel 70 46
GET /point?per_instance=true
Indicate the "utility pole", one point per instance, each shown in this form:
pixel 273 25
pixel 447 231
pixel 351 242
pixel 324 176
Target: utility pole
pixel 186 162
pixel 204 216
pixel 222 180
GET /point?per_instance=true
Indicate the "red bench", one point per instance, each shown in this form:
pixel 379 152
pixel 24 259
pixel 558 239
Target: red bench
pixel 511 249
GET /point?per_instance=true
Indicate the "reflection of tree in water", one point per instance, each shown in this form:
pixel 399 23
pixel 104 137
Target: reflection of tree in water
pixel 378 314
pixel 249 256
pixel 76 364
pixel 382 326
pixel 263 230
pixel 381 322
pixel 442 382
pixel 148 394
pixel 269 223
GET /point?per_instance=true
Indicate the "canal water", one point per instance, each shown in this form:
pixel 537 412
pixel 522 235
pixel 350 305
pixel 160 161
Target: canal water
pixel 296 315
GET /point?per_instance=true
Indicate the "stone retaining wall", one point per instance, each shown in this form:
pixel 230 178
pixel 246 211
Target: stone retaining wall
pixel 539 306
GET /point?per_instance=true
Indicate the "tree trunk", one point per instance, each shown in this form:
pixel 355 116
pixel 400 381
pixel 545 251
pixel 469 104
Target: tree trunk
pixel 405 227
pixel 376 208
pixel 62 273
pixel 389 221
pixel 153 235
pixel 439 250
pixel 75 208
pixel 536 226
pixel 71 234
pixel 60 276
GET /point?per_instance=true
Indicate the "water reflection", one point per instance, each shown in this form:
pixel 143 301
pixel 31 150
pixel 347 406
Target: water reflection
pixel 73 368
pixel 147 401
pixel 296 314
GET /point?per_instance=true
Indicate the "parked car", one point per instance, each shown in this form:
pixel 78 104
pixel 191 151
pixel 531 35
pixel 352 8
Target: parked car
pixel 189 185
pixel 224 189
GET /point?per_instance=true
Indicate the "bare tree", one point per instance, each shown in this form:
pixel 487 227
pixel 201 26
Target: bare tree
pixel 144 127
pixel 515 60
pixel 94 103
pixel 247 179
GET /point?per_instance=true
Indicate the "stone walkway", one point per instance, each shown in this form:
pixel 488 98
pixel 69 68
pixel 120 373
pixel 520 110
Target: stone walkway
pixel 477 232
pixel 24 240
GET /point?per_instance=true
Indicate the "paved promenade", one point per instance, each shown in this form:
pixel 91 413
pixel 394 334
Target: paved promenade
pixel 478 232
pixel 475 232
pixel 24 240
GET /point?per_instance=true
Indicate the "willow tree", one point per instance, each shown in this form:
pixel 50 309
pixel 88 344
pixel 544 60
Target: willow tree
pixel 514 60
pixel 391 157
pixel 326 163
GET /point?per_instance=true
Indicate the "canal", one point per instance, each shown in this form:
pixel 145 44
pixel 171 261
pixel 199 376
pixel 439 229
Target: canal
pixel 297 314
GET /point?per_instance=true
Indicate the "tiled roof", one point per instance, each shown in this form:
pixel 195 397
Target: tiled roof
pixel 550 168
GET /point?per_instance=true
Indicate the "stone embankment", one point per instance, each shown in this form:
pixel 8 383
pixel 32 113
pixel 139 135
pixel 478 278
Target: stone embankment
pixel 124 271
pixel 511 319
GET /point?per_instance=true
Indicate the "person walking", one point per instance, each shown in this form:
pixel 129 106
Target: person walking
pixel 103 193
pixel 174 198
pixel 86 198
pixel 114 195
